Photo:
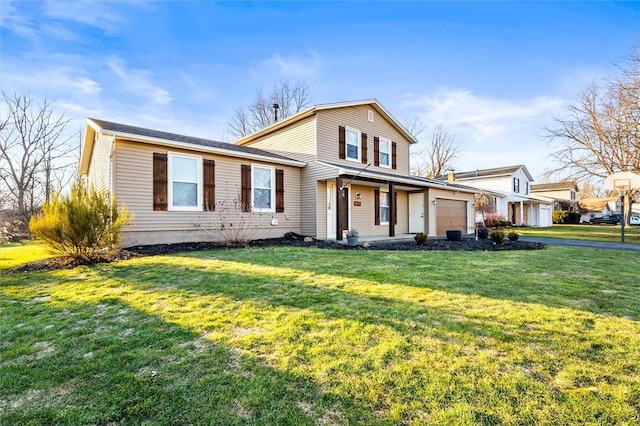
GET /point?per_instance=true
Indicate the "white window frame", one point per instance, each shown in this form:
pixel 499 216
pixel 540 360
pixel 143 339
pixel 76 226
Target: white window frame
pixel 388 152
pixel 387 206
pixel 516 185
pixel 526 187
pixel 358 144
pixel 198 182
pixel 272 190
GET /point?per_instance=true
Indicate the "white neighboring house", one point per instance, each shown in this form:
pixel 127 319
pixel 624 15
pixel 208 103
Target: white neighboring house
pixel 511 188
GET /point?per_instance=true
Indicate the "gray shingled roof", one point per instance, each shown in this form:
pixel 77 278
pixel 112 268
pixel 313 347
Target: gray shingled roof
pixel 141 131
pixel 419 180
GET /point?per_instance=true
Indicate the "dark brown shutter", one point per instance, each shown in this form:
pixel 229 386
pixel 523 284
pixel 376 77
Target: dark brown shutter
pixel 376 151
pixel 394 152
pixel 376 205
pixel 245 183
pixel 395 207
pixel 342 142
pixel 209 184
pixel 159 181
pixel 279 191
pixel 363 143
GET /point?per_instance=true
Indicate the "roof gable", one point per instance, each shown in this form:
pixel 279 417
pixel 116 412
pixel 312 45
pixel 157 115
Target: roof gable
pixel 320 107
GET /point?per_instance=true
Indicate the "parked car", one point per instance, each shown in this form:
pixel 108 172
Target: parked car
pixel 608 219
pixel 634 220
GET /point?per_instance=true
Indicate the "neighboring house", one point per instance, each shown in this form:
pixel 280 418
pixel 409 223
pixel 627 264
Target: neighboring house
pixel 564 194
pixel 597 207
pixel 322 172
pixel 511 187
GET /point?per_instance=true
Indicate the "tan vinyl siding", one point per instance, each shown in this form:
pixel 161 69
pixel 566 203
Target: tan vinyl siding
pixel 134 188
pixel 356 117
pixel 363 216
pixel 99 174
pixel 313 198
pixel 294 141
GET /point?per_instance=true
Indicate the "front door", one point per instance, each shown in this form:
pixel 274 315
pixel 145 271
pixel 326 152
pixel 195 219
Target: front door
pixel 331 210
pixel 416 212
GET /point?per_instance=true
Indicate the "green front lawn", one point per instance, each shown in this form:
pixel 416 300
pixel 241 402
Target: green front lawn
pixel 308 336
pixel 610 233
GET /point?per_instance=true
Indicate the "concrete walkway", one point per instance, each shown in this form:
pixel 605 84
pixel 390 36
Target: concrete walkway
pixel 584 243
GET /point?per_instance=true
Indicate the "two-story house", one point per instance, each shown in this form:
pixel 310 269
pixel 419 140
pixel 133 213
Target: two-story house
pixel 564 194
pixel 511 188
pixel 322 172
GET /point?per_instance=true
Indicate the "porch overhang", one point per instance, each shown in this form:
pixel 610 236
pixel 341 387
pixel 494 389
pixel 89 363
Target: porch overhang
pixel 364 177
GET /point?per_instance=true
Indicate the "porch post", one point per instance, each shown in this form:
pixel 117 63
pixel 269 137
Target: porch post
pixel 340 205
pixel 521 213
pixel 392 210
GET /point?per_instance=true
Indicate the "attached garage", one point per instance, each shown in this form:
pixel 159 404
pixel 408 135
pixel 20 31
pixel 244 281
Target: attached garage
pixel 450 215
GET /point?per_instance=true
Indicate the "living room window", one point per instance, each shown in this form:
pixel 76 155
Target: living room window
pixel 353 144
pixel 263 191
pixel 185 182
pixel 385 152
pixel 384 207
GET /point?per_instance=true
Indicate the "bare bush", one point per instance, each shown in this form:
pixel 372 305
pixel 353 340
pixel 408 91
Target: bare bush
pixel 228 223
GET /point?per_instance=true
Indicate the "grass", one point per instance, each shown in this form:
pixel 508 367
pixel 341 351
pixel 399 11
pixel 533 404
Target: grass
pixel 607 233
pixel 319 337
pixel 17 253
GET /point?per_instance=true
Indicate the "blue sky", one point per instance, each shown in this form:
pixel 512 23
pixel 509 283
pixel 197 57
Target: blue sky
pixel 493 73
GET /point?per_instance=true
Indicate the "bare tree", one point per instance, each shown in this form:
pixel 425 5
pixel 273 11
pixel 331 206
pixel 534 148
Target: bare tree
pixel 32 143
pixel 599 134
pixel 485 204
pixel 439 154
pixel 290 98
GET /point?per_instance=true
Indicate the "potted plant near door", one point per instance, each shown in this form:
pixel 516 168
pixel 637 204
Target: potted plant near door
pixel 483 233
pixel 454 235
pixel 352 238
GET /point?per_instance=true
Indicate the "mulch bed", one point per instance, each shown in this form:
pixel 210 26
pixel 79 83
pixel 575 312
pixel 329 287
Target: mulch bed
pixel 290 240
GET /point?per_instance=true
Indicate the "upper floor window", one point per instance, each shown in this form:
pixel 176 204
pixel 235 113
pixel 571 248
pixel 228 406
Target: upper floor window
pixel 573 195
pixel 516 185
pixel 185 182
pixel 353 144
pixel 385 152
pixel 263 191
pixel 526 188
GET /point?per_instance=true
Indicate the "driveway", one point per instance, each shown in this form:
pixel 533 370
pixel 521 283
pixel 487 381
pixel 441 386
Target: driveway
pixel 584 243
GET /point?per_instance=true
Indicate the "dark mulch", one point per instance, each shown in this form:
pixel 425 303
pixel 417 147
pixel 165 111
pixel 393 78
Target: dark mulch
pixel 290 240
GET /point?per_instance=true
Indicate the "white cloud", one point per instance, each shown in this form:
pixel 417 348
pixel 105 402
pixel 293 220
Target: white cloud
pixel 139 82
pixel 293 67
pixel 94 13
pixel 15 22
pixel 52 79
pixel 493 132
